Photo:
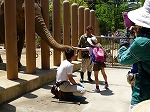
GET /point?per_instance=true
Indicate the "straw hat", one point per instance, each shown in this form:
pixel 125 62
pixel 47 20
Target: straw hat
pixel 142 107
pixel 92 41
pixel 141 16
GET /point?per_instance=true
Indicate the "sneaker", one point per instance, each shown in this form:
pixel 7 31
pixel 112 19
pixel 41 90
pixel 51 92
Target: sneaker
pixel 96 90
pixel 106 85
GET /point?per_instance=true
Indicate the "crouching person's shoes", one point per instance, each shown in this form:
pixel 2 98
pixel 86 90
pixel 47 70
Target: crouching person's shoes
pixel 66 96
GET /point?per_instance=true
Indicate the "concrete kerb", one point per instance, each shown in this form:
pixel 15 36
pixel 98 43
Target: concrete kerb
pixel 10 90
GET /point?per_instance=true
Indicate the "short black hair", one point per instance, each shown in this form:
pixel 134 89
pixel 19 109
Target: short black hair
pixel 69 53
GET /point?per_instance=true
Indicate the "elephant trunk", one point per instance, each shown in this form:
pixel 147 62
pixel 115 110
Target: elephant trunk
pixel 43 32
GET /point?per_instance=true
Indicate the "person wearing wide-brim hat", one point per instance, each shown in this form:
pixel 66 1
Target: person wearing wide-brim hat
pixel 139 52
pixel 98 66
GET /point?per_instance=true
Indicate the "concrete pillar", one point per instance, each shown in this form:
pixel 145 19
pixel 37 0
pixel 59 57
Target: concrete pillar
pixel 30 37
pixel 11 39
pixel 80 23
pixel 86 18
pixel 45 50
pixel 74 24
pixel 56 31
pixel 66 22
pixel 92 19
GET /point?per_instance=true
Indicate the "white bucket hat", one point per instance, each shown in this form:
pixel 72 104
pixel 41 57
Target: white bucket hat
pixel 92 41
pixel 142 107
pixel 141 16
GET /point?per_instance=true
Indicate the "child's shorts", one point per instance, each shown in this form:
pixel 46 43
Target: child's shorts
pixel 98 66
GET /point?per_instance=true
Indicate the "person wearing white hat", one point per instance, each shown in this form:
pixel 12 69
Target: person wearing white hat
pixel 139 52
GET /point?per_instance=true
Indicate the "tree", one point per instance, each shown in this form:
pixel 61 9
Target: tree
pixel 109 13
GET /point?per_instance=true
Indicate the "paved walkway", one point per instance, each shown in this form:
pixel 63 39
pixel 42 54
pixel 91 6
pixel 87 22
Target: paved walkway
pixel 114 99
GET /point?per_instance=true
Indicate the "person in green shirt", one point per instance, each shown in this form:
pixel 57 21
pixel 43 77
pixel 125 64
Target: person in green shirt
pixel 139 52
pixel 86 61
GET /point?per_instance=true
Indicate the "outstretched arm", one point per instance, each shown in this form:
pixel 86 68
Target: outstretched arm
pixel 82 49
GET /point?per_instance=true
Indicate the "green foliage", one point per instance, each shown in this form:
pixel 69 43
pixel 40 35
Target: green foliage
pixel 109 13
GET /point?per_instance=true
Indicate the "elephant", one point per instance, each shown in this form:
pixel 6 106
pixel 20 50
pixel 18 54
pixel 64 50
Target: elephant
pixel 40 28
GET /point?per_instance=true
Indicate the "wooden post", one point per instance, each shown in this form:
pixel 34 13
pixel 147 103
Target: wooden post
pixel 92 19
pixel 11 39
pixel 30 37
pixel 80 23
pixel 86 18
pixel 56 31
pixel 74 24
pixel 45 50
pixel 66 22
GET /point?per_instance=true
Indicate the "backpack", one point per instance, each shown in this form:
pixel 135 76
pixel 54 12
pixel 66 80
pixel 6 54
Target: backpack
pixel 98 55
pixel 55 91
pixel 58 94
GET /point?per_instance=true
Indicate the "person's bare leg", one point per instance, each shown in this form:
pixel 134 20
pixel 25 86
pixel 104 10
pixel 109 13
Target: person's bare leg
pixel 105 77
pixel 96 78
pixel 104 74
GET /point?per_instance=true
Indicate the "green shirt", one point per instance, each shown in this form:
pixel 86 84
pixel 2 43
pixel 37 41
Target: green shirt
pixel 83 41
pixel 138 52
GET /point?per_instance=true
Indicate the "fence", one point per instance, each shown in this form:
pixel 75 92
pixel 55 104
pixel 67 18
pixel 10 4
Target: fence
pixel 111 45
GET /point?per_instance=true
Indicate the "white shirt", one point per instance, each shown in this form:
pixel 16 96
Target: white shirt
pixel 63 70
pixel 90 49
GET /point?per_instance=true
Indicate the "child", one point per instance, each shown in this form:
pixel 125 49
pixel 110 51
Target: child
pixel 64 76
pixel 97 65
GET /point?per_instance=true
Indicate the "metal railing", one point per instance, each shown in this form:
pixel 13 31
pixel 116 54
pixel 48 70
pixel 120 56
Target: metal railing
pixel 111 46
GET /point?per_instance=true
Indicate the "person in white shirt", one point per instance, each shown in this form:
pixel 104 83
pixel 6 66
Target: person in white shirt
pixel 64 76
